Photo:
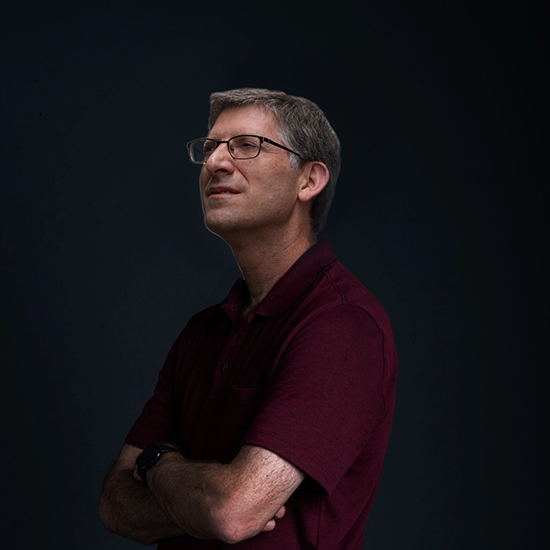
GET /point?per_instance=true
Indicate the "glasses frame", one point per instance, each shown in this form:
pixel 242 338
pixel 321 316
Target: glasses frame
pixel 219 142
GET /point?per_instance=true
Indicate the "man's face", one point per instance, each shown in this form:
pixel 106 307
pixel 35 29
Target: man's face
pixel 253 195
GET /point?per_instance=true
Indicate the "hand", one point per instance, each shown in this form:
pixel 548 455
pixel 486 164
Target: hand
pixel 270 525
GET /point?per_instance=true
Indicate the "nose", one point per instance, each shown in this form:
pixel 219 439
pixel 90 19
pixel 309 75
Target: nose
pixel 220 159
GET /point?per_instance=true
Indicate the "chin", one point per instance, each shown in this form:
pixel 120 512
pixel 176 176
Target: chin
pixel 220 225
pixel 229 228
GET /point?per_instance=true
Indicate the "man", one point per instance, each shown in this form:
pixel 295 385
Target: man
pixel 270 420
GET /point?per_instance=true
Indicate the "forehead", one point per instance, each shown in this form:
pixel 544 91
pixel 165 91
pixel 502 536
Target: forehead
pixel 248 119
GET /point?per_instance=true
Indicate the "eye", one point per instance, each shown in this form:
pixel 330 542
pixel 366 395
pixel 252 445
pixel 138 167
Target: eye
pixel 244 146
pixel 209 147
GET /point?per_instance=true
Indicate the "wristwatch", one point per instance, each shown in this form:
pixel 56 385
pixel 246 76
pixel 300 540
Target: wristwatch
pixel 149 457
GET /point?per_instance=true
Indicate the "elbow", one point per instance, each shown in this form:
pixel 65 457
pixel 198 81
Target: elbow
pixel 112 525
pixel 105 515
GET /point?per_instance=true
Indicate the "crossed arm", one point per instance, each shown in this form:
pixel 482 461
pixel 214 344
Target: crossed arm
pixel 226 502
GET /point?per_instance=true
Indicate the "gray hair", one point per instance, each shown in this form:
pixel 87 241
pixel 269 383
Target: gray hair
pixel 304 128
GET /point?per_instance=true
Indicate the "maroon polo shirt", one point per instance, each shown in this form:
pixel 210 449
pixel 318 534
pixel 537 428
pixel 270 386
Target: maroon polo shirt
pixel 310 375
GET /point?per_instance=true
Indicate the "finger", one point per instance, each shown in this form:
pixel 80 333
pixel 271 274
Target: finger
pixel 280 513
pixel 270 525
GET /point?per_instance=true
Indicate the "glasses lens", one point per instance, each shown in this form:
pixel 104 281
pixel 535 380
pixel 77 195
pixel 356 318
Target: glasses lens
pixel 201 149
pixel 245 147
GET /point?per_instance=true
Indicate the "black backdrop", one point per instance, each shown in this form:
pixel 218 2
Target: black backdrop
pixel 440 212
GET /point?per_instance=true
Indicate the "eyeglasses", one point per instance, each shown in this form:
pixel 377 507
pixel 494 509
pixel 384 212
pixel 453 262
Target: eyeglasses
pixel 240 147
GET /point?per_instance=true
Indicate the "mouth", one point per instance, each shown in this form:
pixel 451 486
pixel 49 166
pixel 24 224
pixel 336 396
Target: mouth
pixel 216 191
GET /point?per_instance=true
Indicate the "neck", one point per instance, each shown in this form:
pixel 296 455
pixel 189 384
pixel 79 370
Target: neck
pixel 263 262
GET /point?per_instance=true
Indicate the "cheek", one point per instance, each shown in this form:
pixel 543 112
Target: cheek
pixel 203 181
pixel 203 178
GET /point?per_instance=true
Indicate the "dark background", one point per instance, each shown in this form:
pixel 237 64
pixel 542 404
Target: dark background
pixel 441 108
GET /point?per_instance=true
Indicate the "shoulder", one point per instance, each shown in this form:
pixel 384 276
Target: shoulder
pixel 339 332
pixel 339 300
pixel 342 320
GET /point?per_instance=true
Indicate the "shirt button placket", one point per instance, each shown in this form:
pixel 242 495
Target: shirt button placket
pixel 224 366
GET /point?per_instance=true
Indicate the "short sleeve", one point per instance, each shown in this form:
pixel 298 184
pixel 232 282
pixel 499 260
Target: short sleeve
pixel 154 424
pixel 326 397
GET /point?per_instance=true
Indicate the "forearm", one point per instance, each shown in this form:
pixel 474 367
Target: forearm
pixel 227 502
pixel 193 495
pixel 128 508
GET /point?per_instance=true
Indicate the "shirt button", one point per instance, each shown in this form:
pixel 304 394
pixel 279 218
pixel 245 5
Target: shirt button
pixel 224 367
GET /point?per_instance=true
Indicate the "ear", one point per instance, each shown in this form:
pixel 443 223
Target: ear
pixel 315 179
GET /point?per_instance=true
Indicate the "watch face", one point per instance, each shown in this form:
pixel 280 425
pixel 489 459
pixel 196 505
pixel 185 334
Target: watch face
pixel 148 457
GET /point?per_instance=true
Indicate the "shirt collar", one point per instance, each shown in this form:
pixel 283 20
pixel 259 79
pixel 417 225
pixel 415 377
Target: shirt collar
pixel 288 288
